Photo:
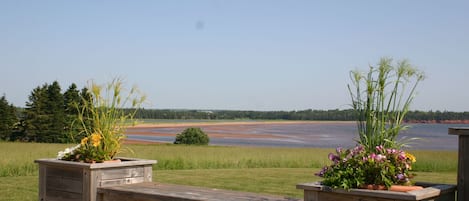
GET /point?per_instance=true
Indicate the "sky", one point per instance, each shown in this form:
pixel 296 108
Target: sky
pixel 235 55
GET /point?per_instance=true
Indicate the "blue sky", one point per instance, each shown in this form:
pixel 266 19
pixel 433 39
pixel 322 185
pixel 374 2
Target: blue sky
pixel 248 55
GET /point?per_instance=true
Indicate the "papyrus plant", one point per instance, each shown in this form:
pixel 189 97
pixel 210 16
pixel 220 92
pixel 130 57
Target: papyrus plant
pixel 102 118
pixel 381 99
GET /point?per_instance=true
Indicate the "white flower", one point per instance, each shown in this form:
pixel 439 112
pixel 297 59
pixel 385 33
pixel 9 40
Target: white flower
pixel 60 155
pixel 70 151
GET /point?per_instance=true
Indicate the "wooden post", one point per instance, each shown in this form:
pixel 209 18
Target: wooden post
pixel 463 161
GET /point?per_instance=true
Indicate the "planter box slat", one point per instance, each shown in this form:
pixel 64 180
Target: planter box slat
pixel 122 173
pixel 64 184
pixel 64 172
pixel 62 195
pixel 115 182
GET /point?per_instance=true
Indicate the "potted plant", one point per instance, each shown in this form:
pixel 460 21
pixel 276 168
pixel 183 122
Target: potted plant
pixel 102 119
pixel 381 99
pixel 77 172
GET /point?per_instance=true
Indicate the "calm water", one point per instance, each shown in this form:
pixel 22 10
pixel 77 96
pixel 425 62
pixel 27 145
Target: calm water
pixel 432 136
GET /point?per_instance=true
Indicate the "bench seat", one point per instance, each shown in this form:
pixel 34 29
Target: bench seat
pixel 150 191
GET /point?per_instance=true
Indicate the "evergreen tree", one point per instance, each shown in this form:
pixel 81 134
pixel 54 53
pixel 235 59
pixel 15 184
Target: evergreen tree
pixel 71 101
pixel 45 115
pixel 56 114
pixel 8 119
pixel 35 116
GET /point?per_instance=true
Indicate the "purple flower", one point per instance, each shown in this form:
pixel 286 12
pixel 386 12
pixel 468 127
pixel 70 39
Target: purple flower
pixel 400 176
pixel 338 150
pixel 322 172
pixel 334 158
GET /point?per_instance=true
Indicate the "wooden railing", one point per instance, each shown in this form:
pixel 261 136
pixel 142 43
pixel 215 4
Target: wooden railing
pixel 463 161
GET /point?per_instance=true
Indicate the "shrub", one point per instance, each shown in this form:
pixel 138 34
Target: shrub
pixel 192 136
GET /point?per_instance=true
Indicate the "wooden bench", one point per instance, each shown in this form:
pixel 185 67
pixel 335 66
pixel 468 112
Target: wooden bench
pixel 149 191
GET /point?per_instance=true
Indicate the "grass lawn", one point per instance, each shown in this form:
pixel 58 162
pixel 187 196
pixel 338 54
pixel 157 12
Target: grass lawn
pixel 279 181
pixel 254 169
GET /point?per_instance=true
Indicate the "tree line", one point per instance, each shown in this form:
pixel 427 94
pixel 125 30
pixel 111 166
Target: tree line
pixel 50 115
pixel 307 115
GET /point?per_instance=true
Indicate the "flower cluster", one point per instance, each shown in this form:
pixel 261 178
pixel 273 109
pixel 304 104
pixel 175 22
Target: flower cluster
pixel 90 150
pixel 67 152
pixel 353 168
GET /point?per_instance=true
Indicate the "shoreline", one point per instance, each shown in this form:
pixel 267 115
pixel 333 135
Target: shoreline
pixel 223 130
pixel 271 122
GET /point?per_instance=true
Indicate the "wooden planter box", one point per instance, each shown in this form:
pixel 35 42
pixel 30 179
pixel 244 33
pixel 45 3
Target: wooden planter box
pixel 317 192
pixel 75 181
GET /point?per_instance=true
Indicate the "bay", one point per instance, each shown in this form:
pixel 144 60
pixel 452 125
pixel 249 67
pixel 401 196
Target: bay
pixel 322 135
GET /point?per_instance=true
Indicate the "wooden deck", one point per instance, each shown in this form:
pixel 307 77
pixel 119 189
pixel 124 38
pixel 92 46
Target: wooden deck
pixel 150 191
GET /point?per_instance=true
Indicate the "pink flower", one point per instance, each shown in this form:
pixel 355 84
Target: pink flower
pixel 380 148
pixel 372 156
pixel 380 157
pixel 401 155
pixel 391 151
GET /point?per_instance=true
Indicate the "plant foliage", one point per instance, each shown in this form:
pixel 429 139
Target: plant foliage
pixel 102 119
pixel 353 168
pixel 381 99
pixel 192 136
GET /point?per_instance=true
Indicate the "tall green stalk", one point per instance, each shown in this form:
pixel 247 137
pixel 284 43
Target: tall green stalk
pixel 104 116
pixel 382 106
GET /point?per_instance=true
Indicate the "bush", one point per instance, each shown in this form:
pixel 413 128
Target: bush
pixel 192 136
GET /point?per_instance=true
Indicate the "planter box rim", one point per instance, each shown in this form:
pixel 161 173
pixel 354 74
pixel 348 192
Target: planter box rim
pixel 430 191
pixel 125 162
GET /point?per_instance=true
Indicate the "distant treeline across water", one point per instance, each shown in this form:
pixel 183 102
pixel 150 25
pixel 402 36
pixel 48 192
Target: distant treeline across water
pixel 325 115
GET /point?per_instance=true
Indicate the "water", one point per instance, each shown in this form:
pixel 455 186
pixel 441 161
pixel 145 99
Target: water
pixel 324 135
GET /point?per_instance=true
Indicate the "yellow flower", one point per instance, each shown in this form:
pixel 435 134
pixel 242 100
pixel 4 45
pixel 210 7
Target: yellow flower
pixel 84 141
pixel 410 157
pixel 95 139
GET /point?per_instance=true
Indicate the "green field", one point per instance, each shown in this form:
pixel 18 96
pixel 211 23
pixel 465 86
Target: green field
pixel 255 169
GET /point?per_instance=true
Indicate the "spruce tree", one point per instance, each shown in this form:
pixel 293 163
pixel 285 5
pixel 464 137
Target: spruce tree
pixel 45 115
pixel 8 119
pixel 35 116
pixel 71 102
pixel 56 114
